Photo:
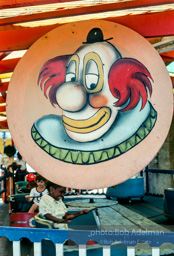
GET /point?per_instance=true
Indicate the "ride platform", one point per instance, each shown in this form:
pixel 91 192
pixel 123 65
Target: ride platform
pixel 137 215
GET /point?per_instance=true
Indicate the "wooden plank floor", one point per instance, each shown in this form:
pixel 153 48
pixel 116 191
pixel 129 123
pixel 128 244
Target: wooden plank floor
pixel 151 207
pixel 120 217
pixel 138 216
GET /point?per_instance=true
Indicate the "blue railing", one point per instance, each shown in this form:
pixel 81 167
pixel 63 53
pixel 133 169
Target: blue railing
pixel 103 238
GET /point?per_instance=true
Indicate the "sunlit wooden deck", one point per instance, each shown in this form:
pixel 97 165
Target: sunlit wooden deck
pixel 152 208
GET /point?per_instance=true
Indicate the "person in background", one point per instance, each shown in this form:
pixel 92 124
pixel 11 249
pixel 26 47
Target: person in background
pixel 53 208
pixel 30 185
pixel 8 165
pixel 7 159
pixel 31 178
pixel 21 168
pixel 37 192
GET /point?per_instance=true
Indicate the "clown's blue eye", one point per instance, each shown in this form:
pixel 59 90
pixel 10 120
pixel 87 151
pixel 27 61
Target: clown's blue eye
pixel 71 77
pixel 92 86
pixel 71 72
pixel 91 75
pixel 91 81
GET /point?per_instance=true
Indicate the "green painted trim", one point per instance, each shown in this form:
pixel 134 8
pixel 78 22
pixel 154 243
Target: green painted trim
pixel 94 157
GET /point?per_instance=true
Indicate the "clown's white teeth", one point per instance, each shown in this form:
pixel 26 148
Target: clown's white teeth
pixel 90 124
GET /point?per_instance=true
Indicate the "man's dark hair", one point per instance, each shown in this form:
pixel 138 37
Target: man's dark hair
pixel 51 184
pixel 9 150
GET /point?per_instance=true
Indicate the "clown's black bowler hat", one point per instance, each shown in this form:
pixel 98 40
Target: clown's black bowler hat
pixel 95 35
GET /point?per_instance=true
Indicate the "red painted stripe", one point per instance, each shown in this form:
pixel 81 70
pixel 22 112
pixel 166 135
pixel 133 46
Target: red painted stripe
pixel 2 100
pixel 21 38
pixel 4 87
pixel 168 54
pixel 2 108
pixel 3 125
pixel 167 59
pixel 150 24
pixel 22 3
pixel 8 65
pixel 128 4
pixel 3 55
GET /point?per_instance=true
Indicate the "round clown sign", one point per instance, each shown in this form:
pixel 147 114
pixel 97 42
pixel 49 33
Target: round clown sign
pixel 90 104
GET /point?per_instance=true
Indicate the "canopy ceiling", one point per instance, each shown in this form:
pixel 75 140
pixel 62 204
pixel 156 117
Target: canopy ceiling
pixel 22 22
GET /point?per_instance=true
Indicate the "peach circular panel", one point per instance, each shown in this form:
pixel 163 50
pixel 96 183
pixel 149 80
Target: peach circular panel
pixel 90 104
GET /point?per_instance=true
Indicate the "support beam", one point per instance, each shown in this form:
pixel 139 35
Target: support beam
pixel 2 99
pixel 8 65
pixel 17 248
pixel 120 4
pixel 79 10
pixel 3 124
pixel 169 54
pixel 4 95
pixel 3 55
pixel 165 45
pixel 22 3
pixel 7 75
pixel 172 78
pixel 148 25
pixel 4 87
pixel 167 59
pixel 2 109
pixel 21 38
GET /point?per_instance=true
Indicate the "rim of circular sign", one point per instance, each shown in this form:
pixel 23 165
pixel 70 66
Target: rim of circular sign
pixel 26 104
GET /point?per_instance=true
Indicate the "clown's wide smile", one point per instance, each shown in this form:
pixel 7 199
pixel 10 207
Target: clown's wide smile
pixel 88 125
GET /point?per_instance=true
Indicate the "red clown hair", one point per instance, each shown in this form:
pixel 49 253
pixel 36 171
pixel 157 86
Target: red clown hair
pixel 129 80
pixel 52 75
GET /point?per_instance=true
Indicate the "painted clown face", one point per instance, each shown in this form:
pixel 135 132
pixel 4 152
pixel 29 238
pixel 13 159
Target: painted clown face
pixel 104 102
pixel 85 97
